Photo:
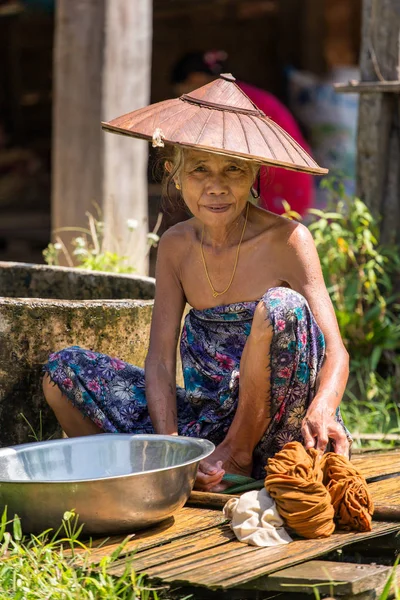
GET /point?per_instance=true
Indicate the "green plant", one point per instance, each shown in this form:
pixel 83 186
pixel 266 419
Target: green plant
pixel 371 404
pixel 89 250
pixel 391 584
pixel 359 274
pixel 362 277
pixel 60 567
pixel 35 434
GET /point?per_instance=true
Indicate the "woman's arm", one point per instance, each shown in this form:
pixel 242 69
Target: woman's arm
pixel 304 275
pixel 160 367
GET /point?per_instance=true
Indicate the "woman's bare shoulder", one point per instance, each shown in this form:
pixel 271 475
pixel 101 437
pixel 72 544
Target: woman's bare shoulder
pixel 178 238
pixel 264 221
pixel 283 236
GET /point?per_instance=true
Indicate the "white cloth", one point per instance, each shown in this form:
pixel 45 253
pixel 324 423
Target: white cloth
pixel 255 519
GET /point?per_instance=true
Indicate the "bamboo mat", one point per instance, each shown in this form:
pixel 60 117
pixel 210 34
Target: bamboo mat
pixel 197 547
pixel 377 463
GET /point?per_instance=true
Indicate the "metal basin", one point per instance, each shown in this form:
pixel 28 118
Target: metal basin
pixel 115 482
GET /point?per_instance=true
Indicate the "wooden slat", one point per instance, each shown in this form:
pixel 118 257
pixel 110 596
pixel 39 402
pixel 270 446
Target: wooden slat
pixel 180 548
pixel 187 521
pixel 348 578
pixel 377 591
pixel 199 557
pixel 368 87
pixel 241 564
pixel 386 492
pixel 378 463
pixel 371 594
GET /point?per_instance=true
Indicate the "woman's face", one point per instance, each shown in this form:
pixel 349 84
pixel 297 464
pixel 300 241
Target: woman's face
pixel 215 188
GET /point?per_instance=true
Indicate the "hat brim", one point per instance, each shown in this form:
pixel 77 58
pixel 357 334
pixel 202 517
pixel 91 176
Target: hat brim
pixel 217 118
pixel 253 158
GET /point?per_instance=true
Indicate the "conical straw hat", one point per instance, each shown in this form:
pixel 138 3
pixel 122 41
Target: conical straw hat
pixel 217 118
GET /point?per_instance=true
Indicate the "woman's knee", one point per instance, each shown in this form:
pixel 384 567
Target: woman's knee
pixel 65 354
pixel 51 391
pixel 280 301
pixel 283 295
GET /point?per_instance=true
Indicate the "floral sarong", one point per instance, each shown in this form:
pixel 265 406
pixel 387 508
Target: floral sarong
pixel 112 393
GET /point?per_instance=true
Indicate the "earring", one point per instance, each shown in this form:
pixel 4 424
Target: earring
pixel 178 187
pixel 254 193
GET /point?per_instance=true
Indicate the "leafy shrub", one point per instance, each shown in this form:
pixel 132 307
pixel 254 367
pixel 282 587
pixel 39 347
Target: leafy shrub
pixel 89 249
pixel 360 275
pixel 363 279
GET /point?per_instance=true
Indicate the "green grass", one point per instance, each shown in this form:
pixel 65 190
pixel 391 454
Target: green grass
pixel 371 405
pixel 49 566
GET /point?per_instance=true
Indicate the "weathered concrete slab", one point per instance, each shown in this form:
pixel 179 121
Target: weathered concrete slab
pixel 32 327
pixel 23 280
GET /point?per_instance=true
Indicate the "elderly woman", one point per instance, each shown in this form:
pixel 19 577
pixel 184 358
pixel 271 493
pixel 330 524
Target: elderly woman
pixel 262 357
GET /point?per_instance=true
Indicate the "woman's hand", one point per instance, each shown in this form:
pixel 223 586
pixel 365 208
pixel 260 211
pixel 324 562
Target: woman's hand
pixel 208 476
pixel 319 426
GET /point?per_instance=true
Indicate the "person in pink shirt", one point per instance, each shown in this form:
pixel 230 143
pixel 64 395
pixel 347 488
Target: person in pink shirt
pixel 276 184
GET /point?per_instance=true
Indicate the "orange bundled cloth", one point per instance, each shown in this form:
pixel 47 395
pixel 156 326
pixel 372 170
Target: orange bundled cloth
pixel 295 481
pixel 314 492
pixel 349 493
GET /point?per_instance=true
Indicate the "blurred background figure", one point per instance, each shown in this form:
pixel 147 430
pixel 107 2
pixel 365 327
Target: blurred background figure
pixel 195 69
pixel 289 50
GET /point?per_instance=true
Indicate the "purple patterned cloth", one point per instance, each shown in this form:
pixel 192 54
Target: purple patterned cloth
pixel 112 393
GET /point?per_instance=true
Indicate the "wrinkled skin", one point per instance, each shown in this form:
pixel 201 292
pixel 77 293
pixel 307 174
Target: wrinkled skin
pixel 274 252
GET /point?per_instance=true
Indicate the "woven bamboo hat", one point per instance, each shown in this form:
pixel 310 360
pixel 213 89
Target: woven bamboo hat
pixel 217 118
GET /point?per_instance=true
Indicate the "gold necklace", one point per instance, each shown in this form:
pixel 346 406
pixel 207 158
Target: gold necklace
pixel 214 291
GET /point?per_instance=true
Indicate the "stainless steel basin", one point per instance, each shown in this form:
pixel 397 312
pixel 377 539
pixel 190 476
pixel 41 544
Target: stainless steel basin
pixel 115 482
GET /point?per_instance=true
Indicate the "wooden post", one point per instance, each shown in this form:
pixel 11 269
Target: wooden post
pixel 101 70
pixel 313 31
pixel 378 173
